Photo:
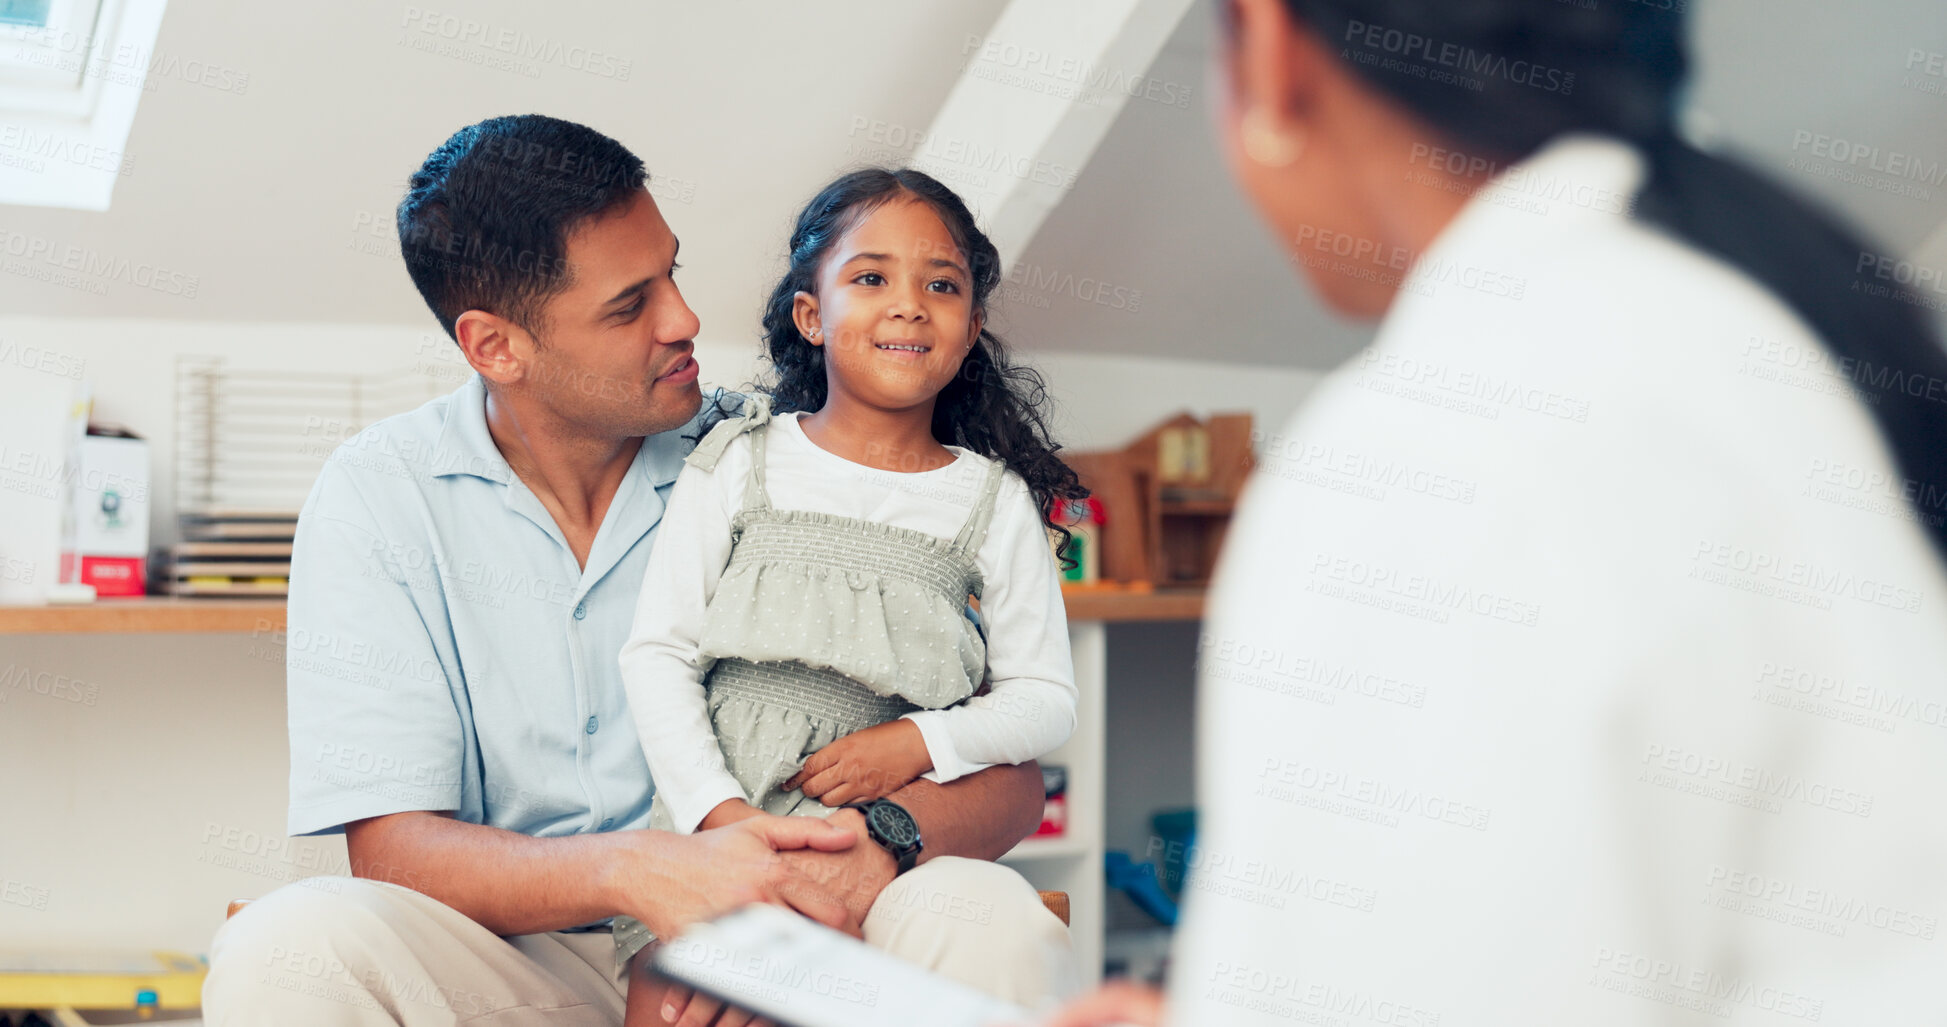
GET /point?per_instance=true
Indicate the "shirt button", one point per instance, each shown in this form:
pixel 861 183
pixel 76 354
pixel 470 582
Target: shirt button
pixel 581 611
pixel 593 723
pixel 608 822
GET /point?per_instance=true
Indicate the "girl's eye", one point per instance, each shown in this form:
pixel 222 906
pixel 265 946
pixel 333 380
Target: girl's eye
pixel 870 278
pixel 949 284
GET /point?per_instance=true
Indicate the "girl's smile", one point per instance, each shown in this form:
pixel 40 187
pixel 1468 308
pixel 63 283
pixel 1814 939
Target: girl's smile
pixel 904 348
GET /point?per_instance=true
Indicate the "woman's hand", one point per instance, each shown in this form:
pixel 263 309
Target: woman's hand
pixel 1116 1003
pixel 686 1008
pixel 868 764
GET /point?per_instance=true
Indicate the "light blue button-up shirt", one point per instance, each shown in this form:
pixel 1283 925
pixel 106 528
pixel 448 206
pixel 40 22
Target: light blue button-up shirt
pixel 445 652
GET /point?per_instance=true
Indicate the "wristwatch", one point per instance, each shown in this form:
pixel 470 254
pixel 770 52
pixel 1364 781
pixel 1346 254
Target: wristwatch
pixel 895 830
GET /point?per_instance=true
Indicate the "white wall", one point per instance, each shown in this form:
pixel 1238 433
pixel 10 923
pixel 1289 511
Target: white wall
pixel 148 788
pixel 1101 400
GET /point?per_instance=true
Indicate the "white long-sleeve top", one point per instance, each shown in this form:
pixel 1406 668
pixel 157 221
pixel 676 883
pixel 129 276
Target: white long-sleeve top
pixel 1030 707
pixel 1574 659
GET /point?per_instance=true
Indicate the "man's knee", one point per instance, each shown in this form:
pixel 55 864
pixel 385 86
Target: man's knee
pixel 295 941
pixel 971 897
pixel 317 911
pixel 979 923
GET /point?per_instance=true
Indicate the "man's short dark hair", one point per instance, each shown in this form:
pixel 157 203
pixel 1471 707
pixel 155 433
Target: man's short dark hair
pixel 485 220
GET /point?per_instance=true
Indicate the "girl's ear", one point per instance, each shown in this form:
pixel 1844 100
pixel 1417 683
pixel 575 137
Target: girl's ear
pixel 804 314
pixel 974 325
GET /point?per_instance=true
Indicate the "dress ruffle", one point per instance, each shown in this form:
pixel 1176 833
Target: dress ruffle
pixel 892 635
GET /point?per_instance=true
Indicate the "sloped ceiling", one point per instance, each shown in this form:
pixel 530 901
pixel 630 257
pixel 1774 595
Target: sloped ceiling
pixel 1155 212
pixel 278 199
pixel 270 196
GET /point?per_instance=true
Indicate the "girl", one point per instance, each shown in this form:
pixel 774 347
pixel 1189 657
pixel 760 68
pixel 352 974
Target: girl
pixel 803 640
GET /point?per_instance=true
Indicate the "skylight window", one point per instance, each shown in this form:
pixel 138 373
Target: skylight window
pixel 71 75
pixel 32 13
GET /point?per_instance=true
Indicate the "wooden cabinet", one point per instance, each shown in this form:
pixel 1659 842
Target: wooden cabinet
pixel 1169 497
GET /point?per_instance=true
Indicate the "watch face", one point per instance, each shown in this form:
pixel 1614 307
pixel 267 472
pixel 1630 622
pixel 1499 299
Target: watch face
pixel 893 825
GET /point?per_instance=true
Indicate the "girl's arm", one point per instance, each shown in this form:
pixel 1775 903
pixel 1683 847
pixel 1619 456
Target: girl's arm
pixel 1030 707
pixel 662 669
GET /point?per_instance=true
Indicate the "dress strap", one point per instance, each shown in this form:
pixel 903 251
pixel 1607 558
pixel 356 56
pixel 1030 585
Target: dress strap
pixel 755 415
pixel 755 495
pixel 974 533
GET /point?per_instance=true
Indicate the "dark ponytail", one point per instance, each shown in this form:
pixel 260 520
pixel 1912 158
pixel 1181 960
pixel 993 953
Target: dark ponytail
pixel 1623 63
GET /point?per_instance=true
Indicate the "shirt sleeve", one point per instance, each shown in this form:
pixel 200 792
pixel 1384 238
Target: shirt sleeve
pixel 373 724
pixel 662 667
pixel 1030 707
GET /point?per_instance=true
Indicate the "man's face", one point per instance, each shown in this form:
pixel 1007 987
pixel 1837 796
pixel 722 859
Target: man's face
pixel 614 353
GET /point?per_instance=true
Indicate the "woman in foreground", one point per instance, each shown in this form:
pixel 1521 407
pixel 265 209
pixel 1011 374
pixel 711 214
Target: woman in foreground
pixel 1673 599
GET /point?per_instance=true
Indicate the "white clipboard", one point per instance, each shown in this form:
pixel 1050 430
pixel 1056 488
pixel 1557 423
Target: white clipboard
pixel 780 965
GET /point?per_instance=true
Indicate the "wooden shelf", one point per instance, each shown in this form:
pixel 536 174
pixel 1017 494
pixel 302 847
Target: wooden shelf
pixel 148 615
pixel 1049 848
pixel 172 615
pixel 1110 604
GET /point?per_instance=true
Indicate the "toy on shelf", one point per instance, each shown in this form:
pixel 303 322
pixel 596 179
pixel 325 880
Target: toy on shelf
pixel 1054 815
pixel 1083 518
pixel 1167 498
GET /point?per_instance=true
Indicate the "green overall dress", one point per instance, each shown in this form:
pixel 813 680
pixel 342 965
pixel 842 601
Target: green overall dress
pixel 824 625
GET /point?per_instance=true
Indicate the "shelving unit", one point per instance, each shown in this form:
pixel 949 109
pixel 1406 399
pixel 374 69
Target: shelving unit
pixel 145 616
pixel 173 615
pixel 1073 863
pixel 1070 863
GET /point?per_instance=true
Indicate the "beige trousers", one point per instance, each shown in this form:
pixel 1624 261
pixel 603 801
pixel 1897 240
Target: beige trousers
pixel 339 950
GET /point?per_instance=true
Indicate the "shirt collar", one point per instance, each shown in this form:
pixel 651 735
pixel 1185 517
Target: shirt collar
pixel 1574 178
pixel 467 447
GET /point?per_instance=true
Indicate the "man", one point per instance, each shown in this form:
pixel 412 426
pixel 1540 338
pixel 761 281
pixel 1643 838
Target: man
pixel 463 579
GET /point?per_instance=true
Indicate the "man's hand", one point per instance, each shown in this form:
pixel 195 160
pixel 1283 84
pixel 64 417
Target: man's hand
pixel 1116 1003
pixel 868 764
pixel 854 876
pixel 703 876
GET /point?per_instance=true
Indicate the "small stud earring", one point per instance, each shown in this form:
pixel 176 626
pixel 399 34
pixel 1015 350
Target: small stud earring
pixel 1266 145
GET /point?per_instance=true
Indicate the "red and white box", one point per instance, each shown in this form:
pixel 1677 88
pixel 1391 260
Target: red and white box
pixel 111 513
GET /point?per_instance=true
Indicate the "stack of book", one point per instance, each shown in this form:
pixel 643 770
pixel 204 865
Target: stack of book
pixel 233 553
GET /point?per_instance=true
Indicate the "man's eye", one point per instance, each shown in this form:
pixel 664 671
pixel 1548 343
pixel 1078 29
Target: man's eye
pixel 630 311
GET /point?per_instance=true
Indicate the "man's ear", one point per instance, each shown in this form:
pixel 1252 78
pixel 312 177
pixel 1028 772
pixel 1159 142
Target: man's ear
pixel 494 346
pixel 804 314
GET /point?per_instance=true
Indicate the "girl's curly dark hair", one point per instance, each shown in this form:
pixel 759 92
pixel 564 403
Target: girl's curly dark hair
pixel 993 407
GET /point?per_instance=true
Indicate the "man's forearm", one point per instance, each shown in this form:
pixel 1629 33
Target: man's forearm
pixel 509 883
pixel 979 816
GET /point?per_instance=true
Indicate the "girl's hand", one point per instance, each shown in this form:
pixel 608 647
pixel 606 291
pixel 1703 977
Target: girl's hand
pixel 868 764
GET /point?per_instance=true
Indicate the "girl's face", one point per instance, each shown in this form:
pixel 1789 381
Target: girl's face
pixel 893 310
